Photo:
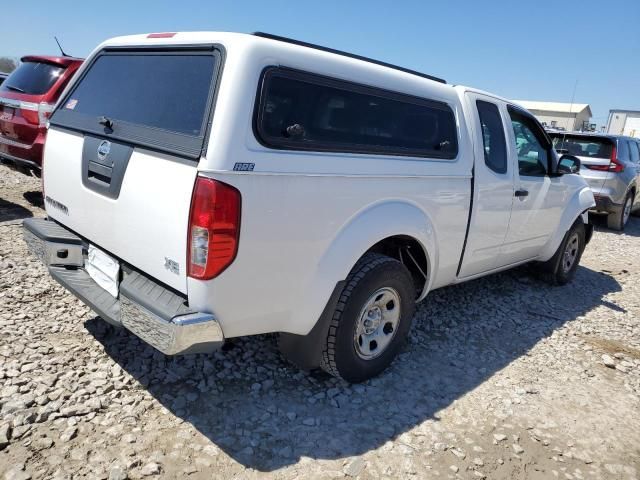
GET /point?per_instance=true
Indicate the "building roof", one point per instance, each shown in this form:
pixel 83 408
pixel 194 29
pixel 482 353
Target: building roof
pixel 555 106
pixel 615 110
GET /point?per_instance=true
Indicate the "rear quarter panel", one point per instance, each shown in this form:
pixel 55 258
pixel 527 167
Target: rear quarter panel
pixel 301 234
pixel 308 216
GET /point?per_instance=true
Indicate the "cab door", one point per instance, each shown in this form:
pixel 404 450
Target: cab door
pixel 493 186
pixel 539 196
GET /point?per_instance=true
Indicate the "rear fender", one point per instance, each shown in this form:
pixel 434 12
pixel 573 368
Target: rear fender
pixel 581 201
pixel 365 229
pixel 315 310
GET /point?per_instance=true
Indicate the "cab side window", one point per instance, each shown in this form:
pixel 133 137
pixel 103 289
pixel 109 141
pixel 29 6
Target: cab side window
pixel 531 147
pixel 495 145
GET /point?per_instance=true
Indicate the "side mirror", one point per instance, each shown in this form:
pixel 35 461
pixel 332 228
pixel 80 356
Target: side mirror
pixel 568 164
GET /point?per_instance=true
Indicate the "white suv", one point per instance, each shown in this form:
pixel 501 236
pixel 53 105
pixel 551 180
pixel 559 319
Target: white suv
pixel 258 184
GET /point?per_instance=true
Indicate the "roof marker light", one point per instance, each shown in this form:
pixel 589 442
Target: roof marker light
pixel 162 35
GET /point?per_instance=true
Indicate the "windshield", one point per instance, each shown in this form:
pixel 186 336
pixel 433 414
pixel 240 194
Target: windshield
pixel 32 78
pixel 591 147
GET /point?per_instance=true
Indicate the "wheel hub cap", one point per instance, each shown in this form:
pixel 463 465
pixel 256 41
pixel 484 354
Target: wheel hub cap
pixel 372 320
pixel 570 252
pixel 377 323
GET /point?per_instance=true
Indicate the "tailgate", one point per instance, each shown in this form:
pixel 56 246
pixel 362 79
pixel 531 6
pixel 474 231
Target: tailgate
pixel 146 225
pixel 122 153
pixel 595 172
pixel 14 126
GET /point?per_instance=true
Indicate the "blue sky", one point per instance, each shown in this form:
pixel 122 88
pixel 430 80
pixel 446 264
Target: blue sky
pixel 533 50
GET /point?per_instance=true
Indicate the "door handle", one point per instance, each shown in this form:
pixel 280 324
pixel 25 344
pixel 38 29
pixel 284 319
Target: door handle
pixel 521 193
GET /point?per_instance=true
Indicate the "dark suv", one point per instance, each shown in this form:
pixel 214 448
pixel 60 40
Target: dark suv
pixel 27 97
pixel 611 166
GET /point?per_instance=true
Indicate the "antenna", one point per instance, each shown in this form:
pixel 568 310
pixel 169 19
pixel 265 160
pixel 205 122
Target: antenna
pixel 60 47
pixel 573 96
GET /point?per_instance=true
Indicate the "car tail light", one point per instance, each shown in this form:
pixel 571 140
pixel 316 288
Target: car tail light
pixel 615 165
pixel 36 113
pixel 214 228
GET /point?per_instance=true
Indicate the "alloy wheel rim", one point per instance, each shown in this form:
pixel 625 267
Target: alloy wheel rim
pixel 570 252
pixel 377 323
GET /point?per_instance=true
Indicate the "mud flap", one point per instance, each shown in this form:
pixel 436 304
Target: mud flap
pixel 305 351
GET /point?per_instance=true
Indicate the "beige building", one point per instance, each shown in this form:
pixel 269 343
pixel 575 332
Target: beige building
pixel 624 122
pixel 567 116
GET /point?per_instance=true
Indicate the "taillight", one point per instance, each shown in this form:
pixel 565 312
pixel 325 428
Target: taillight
pixel 36 113
pixel 614 166
pixel 44 112
pixel 600 168
pixel 214 228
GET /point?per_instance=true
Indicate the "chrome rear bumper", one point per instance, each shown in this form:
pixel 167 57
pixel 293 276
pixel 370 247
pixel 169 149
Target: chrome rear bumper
pixel 149 310
pixel 189 333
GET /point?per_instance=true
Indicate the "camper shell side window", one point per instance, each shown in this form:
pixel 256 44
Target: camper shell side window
pixel 297 110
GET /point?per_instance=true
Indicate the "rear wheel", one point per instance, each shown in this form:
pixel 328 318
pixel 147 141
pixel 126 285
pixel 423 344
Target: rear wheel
pixel 561 268
pixel 618 220
pixel 371 320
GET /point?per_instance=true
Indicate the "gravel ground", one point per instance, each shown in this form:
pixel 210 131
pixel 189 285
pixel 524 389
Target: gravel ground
pixel 503 377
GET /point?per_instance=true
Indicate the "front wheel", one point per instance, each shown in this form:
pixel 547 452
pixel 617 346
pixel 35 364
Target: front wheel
pixel 371 320
pixel 561 268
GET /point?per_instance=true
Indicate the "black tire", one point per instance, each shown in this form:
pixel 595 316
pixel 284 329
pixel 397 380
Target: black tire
pixel 555 269
pixel 372 273
pixel 617 221
pixel 636 212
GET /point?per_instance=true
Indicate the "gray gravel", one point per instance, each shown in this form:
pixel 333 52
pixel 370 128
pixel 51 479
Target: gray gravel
pixel 503 377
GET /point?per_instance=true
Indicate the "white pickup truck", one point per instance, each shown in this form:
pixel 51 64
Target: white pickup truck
pixel 204 186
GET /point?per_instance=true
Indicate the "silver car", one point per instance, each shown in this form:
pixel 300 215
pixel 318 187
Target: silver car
pixel 611 166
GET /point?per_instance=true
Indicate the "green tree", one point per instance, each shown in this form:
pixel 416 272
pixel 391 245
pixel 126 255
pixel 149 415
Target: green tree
pixel 8 64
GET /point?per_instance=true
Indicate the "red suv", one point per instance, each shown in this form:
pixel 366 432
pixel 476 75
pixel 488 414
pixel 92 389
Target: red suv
pixel 27 98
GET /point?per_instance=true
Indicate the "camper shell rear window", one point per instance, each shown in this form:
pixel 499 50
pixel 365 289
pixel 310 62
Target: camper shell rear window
pixel 156 98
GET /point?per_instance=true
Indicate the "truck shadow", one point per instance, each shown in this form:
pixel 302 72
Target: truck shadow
pixel 10 211
pixel 34 198
pixel 266 414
